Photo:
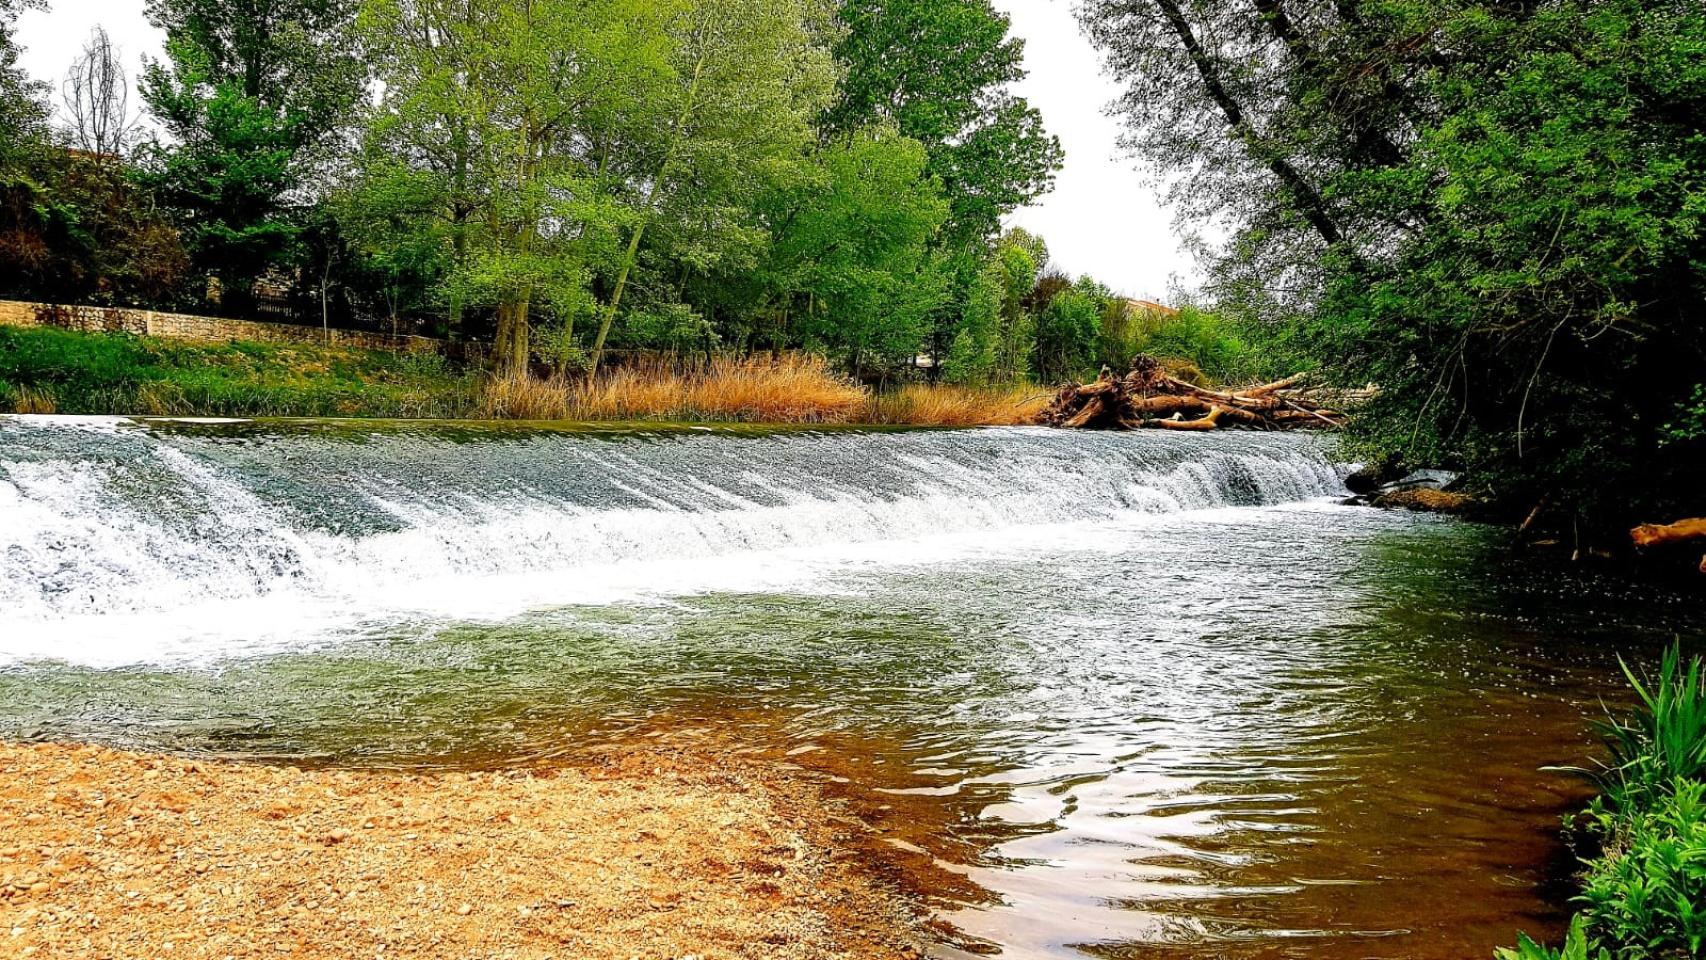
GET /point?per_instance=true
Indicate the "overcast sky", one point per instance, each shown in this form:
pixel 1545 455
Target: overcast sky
pixel 1101 218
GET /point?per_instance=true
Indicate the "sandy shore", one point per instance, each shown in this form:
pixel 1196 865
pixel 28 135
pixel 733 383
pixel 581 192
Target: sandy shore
pixel 649 854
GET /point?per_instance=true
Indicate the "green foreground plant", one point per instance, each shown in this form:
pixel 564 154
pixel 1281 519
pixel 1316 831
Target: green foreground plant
pixel 1644 896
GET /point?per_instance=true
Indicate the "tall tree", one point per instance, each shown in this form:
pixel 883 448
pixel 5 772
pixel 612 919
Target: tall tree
pixel 1279 120
pixel 250 94
pixel 849 269
pixel 96 94
pixel 1492 210
pixel 516 107
pixel 391 217
pixel 746 79
pixel 23 107
pixel 941 71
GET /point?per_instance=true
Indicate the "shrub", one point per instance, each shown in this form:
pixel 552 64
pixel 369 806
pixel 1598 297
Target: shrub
pixel 1644 896
pixel 1647 896
pixel 1664 741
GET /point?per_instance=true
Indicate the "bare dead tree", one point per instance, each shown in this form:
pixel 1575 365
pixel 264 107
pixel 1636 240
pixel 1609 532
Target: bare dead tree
pixel 97 99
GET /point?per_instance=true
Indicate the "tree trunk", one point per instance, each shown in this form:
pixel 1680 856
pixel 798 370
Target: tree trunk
pixel 510 347
pixel 1149 397
pixel 645 217
pixel 1305 197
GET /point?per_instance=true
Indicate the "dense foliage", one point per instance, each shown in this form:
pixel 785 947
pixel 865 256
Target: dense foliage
pixel 560 178
pixel 1492 210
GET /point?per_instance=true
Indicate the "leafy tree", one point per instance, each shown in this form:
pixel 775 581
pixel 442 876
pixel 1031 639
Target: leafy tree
pixel 75 229
pixel 971 356
pixel 997 332
pixel 23 106
pixel 389 217
pixel 514 108
pixel 72 228
pixel 849 268
pixel 250 93
pixel 1067 332
pixel 940 72
pixel 1018 257
pixel 744 80
pixel 1492 211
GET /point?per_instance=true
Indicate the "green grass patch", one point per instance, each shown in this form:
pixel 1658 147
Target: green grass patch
pixel 44 370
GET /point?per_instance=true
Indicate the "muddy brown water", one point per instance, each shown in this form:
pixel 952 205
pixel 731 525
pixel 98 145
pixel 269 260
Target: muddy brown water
pixel 1096 696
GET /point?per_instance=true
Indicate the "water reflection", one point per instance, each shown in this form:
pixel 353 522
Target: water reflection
pixel 1304 731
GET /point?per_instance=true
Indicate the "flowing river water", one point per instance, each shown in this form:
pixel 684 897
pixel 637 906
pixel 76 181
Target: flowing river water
pixel 1145 695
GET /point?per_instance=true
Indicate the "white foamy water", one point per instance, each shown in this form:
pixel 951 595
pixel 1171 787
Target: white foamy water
pixel 123 542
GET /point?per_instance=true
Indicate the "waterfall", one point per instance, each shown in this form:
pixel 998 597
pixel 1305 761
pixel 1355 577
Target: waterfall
pixel 123 540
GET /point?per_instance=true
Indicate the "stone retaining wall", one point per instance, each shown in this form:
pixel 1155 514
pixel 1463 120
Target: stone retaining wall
pixel 181 326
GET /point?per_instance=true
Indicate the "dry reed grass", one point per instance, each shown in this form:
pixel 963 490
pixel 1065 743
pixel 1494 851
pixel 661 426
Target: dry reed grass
pixel 26 400
pixel 945 405
pixel 792 389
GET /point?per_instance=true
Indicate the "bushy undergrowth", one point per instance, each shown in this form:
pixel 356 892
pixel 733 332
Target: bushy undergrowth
pixel 1223 350
pixel 57 371
pixel 1644 896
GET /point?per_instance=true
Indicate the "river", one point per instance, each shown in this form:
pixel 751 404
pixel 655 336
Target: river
pixel 1142 695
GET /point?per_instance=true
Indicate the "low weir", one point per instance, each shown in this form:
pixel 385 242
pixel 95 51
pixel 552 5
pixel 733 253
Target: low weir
pixel 116 533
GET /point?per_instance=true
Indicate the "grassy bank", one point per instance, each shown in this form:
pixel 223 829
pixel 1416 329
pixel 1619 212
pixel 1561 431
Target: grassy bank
pixel 58 371
pixel 1644 877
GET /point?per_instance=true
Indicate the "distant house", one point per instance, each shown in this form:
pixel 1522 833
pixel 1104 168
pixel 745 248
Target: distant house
pixel 1152 308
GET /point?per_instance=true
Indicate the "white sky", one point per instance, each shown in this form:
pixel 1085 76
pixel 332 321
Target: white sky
pixel 1101 219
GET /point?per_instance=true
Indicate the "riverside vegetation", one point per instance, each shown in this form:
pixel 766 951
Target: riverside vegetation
pixel 1490 211
pixel 58 371
pixel 1644 882
pixel 718 178
pixel 1512 253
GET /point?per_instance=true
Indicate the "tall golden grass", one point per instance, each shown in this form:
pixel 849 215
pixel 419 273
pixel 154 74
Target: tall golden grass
pixel 791 389
pixel 945 405
pixel 27 400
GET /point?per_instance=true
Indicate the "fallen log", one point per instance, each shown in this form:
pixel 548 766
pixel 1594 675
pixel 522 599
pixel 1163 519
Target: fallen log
pixel 1148 396
pixel 1209 422
pixel 1654 534
pixel 1167 406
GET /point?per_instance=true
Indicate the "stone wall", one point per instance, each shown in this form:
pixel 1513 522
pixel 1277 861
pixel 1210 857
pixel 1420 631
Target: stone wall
pixel 181 326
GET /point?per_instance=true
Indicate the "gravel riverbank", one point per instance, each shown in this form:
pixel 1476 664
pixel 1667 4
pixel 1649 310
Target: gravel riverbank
pixel 651 853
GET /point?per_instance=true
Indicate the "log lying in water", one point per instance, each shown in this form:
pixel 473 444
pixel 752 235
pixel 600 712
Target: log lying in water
pixel 1665 534
pixel 1653 534
pixel 1149 396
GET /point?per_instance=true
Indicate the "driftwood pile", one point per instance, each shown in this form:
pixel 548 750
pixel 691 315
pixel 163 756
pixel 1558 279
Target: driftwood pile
pixel 1149 396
